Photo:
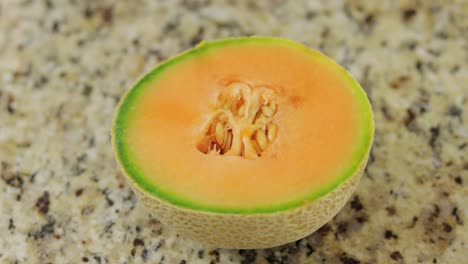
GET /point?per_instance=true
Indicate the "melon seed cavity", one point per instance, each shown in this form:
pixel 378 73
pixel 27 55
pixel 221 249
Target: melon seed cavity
pixel 242 122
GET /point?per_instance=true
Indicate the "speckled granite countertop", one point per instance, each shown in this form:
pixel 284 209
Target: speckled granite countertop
pixel 64 65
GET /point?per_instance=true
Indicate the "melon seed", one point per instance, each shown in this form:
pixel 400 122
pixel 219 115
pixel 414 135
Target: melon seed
pixel 219 133
pixel 272 130
pixel 261 139
pixel 228 141
pixel 273 106
pixel 256 147
pixel 204 144
pixel 241 110
pixel 267 111
pixel 261 122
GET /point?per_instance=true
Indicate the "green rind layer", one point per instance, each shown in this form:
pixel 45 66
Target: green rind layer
pixel 124 153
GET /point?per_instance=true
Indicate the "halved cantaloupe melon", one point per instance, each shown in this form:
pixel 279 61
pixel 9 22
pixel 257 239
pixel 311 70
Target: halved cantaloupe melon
pixel 246 142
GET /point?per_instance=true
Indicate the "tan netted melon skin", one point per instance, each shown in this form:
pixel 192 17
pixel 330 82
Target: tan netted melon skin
pixel 249 231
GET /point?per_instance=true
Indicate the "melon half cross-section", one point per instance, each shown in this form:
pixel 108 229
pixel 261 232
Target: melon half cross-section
pixel 246 142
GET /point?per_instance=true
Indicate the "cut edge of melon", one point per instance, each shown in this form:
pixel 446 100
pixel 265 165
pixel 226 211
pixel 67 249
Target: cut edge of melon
pixel 123 152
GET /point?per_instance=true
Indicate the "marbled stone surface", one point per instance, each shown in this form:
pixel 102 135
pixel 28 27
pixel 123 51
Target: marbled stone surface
pixel 65 63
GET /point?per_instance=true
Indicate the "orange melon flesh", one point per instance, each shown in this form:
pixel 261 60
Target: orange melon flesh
pixel 323 116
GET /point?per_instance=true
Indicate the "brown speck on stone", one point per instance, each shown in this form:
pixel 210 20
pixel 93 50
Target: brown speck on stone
pixel 390 210
pixel 25 144
pixel 310 249
pixel 198 37
pixel 458 180
pixel 144 254
pixel 138 242
pixel 45 230
pixel 88 12
pixel 396 255
pixel 43 203
pixel 107 14
pixel 413 222
pixel 361 219
pixel 442 35
pixel 396 84
pixel 447 227
pixel 88 210
pixel 435 132
pixel 80 43
pixel 87 90
pixel 215 254
pixel 12 179
pixel 342 228
pixel 435 213
pixel 356 204
pixel 49 4
pixel 370 19
pixel 43 80
pixel 10 101
pixel 55 26
pixel 348 260
pixel 20 74
pixel 433 52
pixel 410 117
pixel 310 15
pixel 408 14
pixel 412 45
pixel 390 235
pixel 248 255
pixel 11 225
pixel 455 69
pixel 79 192
pixel 170 26
pixel 386 113
pixel 418 66
pixel 457 216
pixel 324 230
pixel 74 60
pixel 325 32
